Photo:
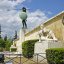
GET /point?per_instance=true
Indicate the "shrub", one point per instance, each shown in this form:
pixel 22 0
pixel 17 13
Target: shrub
pixel 13 49
pixel 28 48
pixel 2 44
pixel 1 49
pixel 55 55
pixel 8 44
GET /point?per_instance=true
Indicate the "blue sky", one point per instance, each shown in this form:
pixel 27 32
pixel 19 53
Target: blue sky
pixel 53 6
pixel 38 12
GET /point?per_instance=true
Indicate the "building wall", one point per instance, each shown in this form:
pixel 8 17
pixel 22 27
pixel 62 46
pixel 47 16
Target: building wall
pixel 57 28
pixel 54 24
pixel 32 36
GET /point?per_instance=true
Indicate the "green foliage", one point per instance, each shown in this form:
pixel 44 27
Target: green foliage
pixel 15 36
pixel 13 49
pixel 5 44
pixel 2 44
pixel 55 55
pixel 5 38
pixel 28 48
pixel 8 44
pixel 1 49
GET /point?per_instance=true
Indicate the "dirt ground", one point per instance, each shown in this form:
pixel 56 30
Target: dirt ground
pixel 18 60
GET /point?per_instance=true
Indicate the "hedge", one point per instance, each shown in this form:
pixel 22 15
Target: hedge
pixel 28 48
pixel 1 49
pixel 55 55
pixel 13 49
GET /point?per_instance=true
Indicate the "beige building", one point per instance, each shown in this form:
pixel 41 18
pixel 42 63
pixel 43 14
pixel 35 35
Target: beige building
pixel 56 24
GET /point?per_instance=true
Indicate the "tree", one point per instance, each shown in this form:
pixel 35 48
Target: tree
pixel 15 37
pixel 8 44
pixel 0 31
pixel 5 44
pixel 2 44
pixel 5 38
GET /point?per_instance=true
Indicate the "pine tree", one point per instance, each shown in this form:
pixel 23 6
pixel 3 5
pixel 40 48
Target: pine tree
pixel 5 38
pixel 0 31
pixel 15 37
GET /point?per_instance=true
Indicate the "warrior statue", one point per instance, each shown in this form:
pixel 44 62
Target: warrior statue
pixel 23 16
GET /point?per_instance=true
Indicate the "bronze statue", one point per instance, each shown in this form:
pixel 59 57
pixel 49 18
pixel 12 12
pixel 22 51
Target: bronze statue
pixel 23 16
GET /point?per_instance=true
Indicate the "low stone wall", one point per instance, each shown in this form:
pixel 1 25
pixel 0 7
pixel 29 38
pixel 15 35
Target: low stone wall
pixel 40 47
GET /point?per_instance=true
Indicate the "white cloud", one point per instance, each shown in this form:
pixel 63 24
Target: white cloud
pixel 8 16
pixel 8 4
pixel 10 20
pixel 49 12
pixel 36 18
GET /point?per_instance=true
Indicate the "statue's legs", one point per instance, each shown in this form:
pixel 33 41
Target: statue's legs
pixel 24 24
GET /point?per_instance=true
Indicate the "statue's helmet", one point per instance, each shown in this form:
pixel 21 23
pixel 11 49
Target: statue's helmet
pixel 24 9
pixel 23 14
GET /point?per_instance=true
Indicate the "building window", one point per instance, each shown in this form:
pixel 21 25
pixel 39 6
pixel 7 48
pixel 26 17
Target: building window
pixel 63 20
